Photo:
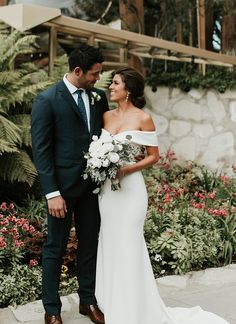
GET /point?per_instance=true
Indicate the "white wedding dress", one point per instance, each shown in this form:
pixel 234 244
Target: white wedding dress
pixel 126 289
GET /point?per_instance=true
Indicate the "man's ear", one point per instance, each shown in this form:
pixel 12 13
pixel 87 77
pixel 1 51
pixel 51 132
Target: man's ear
pixel 78 71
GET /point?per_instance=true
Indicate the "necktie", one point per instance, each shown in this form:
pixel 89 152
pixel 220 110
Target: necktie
pixel 81 106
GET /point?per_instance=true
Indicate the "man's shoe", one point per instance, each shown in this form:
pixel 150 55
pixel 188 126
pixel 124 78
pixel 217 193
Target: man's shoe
pixel 93 312
pixel 52 319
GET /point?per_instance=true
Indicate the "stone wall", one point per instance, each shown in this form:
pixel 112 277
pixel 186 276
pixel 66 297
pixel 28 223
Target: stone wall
pixel 199 125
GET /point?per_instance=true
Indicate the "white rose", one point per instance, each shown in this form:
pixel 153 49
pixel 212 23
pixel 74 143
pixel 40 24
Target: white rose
pixel 95 138
pixel 94 146
pixel 105 163
pixel 113 157
pixel 108 147
pixel 95 163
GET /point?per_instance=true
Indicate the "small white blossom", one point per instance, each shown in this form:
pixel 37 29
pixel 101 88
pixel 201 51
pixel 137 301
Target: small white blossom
pixel 158 257
pixel 94 97
pixel 95 138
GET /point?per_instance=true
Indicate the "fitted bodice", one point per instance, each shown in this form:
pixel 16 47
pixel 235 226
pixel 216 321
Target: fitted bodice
pixel 147 138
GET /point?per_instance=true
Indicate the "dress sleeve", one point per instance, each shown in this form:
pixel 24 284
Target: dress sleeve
pixel 143 138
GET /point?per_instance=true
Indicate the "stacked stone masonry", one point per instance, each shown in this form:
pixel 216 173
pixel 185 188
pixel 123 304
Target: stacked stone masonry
pixel 199 125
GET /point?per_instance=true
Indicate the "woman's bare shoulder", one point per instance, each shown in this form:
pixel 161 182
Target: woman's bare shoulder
pixel 146 120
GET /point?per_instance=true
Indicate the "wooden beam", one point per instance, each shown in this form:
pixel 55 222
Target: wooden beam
pixel 134 38
pixel 178 59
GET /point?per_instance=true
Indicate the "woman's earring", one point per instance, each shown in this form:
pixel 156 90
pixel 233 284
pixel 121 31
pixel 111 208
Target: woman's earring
pixel 127 97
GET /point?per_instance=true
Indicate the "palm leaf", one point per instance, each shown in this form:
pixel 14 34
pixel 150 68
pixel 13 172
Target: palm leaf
pixel 17 167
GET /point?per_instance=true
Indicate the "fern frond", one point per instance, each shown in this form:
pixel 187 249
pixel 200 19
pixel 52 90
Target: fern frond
pixel 23 122
pixel 6 43
pixel 6 147
pixel 105 80
pixel 7 77
pixel 17 167
pixel 22 45
pixel 30 91
pixel 9 131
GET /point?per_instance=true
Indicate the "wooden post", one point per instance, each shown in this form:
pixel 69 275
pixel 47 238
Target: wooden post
pixel 132 19
pixel 52 48
pixel 179 29
pixel 201 24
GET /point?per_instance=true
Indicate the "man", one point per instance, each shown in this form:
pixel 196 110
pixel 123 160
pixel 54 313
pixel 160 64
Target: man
pixel 64 119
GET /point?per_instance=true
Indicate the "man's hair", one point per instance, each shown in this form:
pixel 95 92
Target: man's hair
pixel 84 57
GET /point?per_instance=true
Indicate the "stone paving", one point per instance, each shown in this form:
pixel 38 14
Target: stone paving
pixel 213 289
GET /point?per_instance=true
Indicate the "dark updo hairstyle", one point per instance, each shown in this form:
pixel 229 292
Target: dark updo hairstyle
pixel 134 84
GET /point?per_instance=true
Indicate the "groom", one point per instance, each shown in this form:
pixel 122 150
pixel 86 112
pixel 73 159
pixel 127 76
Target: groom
pixel 64 119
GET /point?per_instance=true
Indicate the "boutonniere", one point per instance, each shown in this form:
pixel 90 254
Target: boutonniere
pixel 94 97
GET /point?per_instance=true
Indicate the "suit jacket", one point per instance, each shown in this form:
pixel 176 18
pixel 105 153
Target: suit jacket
pixel 60 138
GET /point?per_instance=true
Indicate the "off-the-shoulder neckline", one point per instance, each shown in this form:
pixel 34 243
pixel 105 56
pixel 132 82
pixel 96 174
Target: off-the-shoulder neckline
pixel 128 131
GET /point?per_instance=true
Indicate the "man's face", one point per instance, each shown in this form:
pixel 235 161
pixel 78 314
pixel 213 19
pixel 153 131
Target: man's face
pixel 88 79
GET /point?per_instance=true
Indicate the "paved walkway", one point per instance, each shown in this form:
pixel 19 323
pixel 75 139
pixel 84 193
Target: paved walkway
pixel 213 289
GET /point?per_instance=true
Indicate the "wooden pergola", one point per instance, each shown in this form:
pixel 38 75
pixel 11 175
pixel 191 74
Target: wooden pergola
pixel 118 44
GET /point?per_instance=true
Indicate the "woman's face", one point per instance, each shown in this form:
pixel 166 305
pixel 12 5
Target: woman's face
pixel 117 89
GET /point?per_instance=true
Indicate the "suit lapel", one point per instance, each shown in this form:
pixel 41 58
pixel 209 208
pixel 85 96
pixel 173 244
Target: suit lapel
pixel 65 93
pixel 92 108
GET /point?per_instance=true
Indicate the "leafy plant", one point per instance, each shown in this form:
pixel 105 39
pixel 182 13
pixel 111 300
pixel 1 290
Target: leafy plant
pixel 191 217
pixel 19 286
pixel 188 76
pixel 19 83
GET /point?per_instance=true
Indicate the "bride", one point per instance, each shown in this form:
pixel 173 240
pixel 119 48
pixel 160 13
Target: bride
pixel 126 289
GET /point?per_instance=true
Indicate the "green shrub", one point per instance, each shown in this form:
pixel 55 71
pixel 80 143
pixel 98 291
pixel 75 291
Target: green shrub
pixel 19 286
pixel 191 218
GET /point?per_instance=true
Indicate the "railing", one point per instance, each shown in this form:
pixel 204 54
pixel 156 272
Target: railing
pixel 127 43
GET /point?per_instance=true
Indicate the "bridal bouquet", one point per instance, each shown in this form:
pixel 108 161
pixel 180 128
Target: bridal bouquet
pixel 105 157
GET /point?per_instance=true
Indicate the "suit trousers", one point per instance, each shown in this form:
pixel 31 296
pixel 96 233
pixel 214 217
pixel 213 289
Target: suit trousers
pixel 87 222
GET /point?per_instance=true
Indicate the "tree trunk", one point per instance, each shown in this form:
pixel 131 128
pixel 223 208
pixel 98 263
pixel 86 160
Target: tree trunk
pixel 132 19
pixel 228 35
pixel 3 3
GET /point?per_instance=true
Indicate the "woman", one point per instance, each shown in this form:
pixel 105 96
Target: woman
pixel 126 290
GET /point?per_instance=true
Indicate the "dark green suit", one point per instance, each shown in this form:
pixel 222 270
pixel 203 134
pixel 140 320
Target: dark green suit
pixel 60 138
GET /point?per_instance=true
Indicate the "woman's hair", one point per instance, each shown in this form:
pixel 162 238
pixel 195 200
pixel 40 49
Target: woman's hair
pixel 134 84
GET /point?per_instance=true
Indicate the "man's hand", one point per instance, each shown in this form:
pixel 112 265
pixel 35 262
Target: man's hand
pixel 57 207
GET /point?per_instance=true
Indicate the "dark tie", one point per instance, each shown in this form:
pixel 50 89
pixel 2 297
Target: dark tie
pixel 81 106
